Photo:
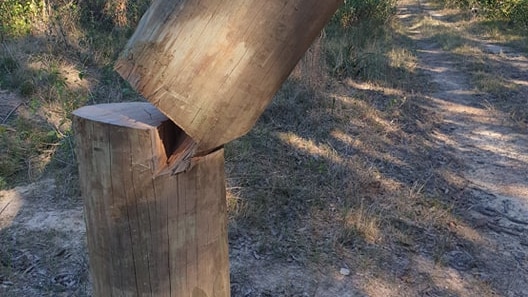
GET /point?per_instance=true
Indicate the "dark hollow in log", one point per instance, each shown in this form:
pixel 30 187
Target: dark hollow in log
pixel 150 232
pixel 213 66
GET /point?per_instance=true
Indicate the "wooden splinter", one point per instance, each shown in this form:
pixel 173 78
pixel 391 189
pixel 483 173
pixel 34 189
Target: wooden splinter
pixel 150 232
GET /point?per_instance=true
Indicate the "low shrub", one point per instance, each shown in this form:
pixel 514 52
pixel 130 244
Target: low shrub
pixel 519 14
pixel 17 16
pixel 356 39
pixel 354 12
pixel 513 11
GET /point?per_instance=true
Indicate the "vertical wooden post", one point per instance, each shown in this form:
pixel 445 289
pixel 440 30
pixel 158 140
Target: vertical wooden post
pixel 150 232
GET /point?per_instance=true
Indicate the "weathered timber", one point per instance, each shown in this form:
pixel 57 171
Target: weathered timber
pixel 212 66
pixel 150 232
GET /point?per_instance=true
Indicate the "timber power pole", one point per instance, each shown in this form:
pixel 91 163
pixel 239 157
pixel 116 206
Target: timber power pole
pixel 152 174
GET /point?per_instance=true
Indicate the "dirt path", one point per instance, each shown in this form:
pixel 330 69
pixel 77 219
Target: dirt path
pixel 494 150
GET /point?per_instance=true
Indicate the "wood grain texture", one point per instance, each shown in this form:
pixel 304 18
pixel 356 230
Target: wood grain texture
pixel 213 66
pixel 150 233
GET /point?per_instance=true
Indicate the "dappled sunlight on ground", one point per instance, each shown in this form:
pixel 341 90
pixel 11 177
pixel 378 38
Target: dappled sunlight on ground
pixel 410 189
pixel 478 114
pixel 37 216
pixel 310 147
pixel 74 78
pixel 369 86
pixel 365 148
pixel 447 280
pixel 467 232
pixel 520 82
pixel 519 189
pixel 378 287
pixel 486 135
pixel 10 204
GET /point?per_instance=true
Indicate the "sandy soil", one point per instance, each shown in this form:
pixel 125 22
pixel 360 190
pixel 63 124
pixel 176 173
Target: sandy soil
pixel 494 150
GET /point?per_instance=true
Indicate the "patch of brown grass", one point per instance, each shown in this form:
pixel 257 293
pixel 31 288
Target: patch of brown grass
pixel 350 173
pixel 330 171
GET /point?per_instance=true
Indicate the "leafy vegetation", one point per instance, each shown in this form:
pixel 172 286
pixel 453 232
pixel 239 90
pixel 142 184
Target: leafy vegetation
pixel 363 42
pixel 354 12
pixel 514 11
pixel 57 56
pixel 16 17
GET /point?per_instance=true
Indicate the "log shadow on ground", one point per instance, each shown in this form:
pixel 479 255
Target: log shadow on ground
pixel 348 179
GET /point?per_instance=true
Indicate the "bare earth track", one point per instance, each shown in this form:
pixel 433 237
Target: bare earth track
pixel 491 198
pixel 494 150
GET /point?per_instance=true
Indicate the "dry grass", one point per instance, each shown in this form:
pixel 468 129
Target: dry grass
pixel 342 170
pixel 351 174
pixel 59 67
pixel 459 33
pixel 342 174
pixel 493 84
pixel 442 32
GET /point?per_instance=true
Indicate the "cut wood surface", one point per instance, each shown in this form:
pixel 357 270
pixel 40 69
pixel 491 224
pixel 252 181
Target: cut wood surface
pixel 213 66
pixel 150 232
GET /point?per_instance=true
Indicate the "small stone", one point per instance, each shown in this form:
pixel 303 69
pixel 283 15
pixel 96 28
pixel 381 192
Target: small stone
pixel 344 271
pixel 257 256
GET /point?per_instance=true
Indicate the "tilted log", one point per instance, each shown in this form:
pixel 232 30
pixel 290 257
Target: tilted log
pixel 212 66
pixel 150 233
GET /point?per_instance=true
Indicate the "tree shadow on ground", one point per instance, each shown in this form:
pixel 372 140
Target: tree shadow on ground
pixel 357 177
pixel 42 248
pixel 349 176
